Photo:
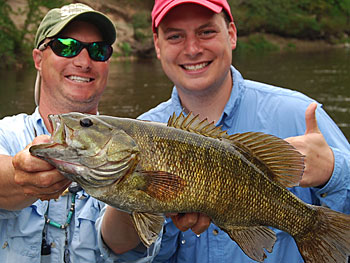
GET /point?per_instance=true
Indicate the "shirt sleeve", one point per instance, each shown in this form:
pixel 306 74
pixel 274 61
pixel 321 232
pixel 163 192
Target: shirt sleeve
pixel 132 256
pixel 3 144
pixel 336 193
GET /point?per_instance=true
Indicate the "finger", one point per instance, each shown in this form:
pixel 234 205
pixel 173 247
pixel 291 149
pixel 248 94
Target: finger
pixel 185 221
pixel 310 119
pixel 43 179
pixel 24 161
pixel 202 224
pixel 56 189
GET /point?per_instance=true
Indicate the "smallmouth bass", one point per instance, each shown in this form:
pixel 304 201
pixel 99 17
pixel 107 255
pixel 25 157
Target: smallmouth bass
pixel 239 181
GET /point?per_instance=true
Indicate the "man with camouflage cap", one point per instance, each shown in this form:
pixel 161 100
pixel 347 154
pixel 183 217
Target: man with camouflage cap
pixel 39 220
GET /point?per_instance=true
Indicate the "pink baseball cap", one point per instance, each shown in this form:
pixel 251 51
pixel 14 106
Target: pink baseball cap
pixel 162 7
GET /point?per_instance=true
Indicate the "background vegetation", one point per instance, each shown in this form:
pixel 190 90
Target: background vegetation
pixel 303 19
pixel 16 43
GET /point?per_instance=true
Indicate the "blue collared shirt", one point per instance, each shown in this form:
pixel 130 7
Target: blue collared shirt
pixel 21 231
pixel 255 106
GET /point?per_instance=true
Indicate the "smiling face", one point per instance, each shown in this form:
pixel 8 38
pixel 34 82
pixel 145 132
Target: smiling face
pixel 71 84
pixel 195 47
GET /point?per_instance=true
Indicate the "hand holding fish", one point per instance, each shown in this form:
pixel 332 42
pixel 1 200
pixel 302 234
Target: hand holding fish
pixel 319 159
pixel 197 222
pixel 37 177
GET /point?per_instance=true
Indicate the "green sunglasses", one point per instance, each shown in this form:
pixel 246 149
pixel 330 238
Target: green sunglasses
pixel 70 47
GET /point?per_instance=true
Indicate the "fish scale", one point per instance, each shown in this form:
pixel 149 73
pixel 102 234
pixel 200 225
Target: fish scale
pixel 239 181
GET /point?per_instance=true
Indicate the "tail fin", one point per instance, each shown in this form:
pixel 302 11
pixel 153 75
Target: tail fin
pixel 330 242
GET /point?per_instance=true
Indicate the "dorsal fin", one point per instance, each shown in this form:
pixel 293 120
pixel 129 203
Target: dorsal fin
pixel 192 123
pixel 281 158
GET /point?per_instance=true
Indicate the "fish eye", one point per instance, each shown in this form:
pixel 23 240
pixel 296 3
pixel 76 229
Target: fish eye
pixel 86 122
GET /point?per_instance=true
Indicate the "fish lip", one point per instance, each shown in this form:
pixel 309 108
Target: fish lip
pixel 58 135
pixel 55 122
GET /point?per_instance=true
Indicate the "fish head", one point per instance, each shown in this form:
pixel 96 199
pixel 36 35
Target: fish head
pixel 88 150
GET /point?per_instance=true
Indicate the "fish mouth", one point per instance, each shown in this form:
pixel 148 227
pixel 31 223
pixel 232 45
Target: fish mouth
pixel 55 122
pixel 60 132
pixel 57 140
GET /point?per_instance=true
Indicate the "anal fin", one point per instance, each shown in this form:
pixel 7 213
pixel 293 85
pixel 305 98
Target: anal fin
pixel 253 240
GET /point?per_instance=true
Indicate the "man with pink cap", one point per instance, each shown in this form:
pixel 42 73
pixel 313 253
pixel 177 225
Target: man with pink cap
pixel 194 40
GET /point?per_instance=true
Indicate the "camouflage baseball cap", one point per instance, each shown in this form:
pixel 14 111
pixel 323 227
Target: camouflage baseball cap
pixel 58 18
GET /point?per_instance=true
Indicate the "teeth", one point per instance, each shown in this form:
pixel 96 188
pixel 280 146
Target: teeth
pixel 195 67
pixel 79 79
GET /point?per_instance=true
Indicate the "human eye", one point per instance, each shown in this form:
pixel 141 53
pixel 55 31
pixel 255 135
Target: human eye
pixel 207 33
pixel 173 37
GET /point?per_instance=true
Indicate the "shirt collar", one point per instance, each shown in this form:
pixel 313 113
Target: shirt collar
pixel 234 100
pixel 175 102
pixel 38 121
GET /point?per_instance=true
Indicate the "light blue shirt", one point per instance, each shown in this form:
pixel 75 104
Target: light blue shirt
pixel 255 106
pixel 21 231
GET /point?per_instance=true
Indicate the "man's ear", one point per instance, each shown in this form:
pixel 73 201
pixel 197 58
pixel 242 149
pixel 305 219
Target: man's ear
pixel 37 58
pixel 156 44
pixel 232 31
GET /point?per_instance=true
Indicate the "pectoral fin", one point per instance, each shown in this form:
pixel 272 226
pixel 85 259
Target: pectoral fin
pixel 147 226
pixel 162 185
pixel 253 240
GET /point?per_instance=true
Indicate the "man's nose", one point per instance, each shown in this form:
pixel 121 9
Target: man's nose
pixel 83 59
pixel 193 46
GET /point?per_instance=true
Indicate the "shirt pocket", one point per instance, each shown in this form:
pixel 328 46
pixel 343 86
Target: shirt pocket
pixel 84 241
pixel 24 234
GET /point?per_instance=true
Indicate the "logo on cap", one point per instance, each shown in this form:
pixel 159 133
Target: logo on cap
pixel 73 9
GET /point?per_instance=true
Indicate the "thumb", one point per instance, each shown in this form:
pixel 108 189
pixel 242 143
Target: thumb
pixel 310 119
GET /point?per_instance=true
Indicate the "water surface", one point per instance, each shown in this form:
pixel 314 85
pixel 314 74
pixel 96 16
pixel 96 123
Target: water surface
pixel 136 86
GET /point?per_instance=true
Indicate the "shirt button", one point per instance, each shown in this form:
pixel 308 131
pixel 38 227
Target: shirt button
pixel 53 244
pixel 324 195
pixel 215 232
pixel 5 244
pixel 183 242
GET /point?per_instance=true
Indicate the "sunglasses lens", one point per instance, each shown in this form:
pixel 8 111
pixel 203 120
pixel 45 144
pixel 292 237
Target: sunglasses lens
pixel 100 51
pixel 69 47
pixel 66 47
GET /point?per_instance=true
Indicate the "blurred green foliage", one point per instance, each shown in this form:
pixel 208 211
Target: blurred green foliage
pixel 16 42
pixel 305 19
pixel 125 48
pixel 141 22
pixel 256 43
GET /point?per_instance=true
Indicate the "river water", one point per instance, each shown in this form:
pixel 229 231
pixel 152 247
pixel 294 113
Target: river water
pixel 136 86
